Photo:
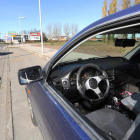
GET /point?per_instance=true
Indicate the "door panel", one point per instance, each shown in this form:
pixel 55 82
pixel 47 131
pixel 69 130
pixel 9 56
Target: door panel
pixel 53 118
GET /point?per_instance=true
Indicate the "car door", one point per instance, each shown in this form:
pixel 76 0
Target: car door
pixel 54 121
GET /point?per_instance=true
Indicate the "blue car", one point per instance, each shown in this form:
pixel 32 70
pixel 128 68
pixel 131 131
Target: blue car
pixel 90 88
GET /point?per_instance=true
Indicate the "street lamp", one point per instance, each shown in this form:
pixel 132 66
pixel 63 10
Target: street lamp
pixel 41 26
pixel 20 26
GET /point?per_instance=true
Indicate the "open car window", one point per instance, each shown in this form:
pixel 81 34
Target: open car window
pixel 102 46
pixel 133 51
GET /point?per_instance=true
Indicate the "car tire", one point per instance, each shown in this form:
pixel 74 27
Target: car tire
pixel 31 112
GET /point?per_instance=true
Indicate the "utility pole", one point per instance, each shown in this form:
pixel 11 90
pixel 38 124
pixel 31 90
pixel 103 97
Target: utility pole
pixel 41 27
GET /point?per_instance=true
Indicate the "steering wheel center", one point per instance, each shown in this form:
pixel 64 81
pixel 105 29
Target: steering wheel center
pixel 93 83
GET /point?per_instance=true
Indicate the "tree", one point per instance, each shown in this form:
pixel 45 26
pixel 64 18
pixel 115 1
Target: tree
pixel 104 38
pixel 126 4
pixel 113 6
pixel 133 36
pixel 57 31
pixel 104 9
pixel 49 29
pixel 67 30
pixel 74 29
pixel 34 30
pixel 113 9
pixel 44 36
pixel 123 4
pixel 135 2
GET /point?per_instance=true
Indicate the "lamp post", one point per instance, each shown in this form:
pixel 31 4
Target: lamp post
pixel 20 26
pixel 41 27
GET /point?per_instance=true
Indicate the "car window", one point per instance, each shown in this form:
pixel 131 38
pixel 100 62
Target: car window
pixel 99 47
pixel 129 54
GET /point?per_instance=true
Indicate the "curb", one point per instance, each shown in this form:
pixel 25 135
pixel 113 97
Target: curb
pixel 41 55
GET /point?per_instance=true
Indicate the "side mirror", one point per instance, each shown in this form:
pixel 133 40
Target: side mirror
pixel 30 75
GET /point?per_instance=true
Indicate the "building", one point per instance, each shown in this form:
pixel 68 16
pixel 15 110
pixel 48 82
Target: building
pixel 62 38
pixel 55 38
pixel 59 38
pixel 8 39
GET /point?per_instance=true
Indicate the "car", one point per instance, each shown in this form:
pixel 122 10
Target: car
pixel 90 91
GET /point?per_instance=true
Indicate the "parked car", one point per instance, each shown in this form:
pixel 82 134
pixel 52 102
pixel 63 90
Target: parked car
pixel 85 93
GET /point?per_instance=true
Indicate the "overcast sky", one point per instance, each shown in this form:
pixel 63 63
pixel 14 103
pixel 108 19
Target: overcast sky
pixel 81 12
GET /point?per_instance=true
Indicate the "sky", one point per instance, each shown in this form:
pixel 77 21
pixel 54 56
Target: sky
pixel 80 12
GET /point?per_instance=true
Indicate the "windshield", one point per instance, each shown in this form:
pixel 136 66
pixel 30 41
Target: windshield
pixel 99 47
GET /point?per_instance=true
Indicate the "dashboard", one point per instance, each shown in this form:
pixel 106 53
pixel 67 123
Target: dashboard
pixel 120 71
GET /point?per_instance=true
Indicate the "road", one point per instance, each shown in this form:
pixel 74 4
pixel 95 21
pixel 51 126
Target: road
pixel 14 111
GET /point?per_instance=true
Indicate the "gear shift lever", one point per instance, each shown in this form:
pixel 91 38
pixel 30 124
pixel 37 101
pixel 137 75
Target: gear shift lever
pixel 115 100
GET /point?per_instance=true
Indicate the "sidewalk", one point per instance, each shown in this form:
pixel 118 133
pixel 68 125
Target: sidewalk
pixel 48 52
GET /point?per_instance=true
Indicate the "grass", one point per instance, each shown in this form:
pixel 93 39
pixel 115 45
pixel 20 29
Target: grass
pixel 90 46
pixel 100 46
pixel 49 43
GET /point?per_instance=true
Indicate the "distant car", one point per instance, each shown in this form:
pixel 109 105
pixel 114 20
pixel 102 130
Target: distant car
pixel 82 93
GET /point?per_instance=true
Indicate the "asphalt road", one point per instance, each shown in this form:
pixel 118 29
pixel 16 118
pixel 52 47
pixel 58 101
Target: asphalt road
pixel 15 119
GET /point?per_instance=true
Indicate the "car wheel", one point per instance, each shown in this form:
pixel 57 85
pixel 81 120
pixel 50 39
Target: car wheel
pixel 31 112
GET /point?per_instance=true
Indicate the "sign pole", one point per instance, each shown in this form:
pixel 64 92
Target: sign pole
pixel 20 28
pixel 41 27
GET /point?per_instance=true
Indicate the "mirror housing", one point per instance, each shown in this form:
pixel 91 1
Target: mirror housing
pixel 30 75
pixel 125 42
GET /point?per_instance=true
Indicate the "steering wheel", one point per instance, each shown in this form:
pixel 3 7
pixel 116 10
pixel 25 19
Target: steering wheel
pixel 92 84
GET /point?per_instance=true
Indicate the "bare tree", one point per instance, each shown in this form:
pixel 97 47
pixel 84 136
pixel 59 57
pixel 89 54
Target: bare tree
pixel 67 30
pixel 57 31
pixel 74 29
pixel 34 30
pixel 49 29
pixel 59 26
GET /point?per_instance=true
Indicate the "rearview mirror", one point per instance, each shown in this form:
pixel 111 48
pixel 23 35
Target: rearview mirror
pixel 125 42
pixel 30 75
